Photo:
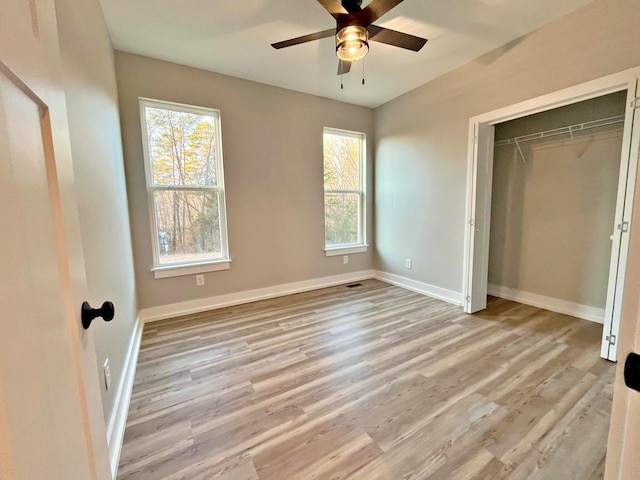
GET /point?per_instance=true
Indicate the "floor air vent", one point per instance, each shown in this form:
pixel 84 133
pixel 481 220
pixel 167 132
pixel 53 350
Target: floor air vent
pixel 353 285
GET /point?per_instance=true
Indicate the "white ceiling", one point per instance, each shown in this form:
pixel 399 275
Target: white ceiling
pixel 233 37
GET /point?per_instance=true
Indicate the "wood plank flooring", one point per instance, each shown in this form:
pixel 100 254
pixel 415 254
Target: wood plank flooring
pixel 371 382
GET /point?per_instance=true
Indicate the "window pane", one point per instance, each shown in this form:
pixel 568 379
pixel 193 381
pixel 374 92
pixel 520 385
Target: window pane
pixel 182 148
pixel 188 226
pixel 341 162
pixel 341 218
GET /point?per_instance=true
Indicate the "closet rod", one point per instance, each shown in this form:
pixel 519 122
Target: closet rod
pixel 571 129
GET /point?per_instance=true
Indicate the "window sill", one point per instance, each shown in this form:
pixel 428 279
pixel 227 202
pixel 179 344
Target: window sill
pixel 347 250
pixel 167 271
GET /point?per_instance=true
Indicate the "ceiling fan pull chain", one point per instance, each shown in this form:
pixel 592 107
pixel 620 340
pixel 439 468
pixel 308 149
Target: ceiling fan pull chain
pixel 363 71
pixel 341 82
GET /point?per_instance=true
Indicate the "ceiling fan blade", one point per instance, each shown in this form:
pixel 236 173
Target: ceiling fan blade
pixel 305 38
pixel 378 8
pixel 397 39
pixel 343 67
pixel 334 7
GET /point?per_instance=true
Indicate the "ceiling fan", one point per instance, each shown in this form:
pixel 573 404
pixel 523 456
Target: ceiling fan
pixel 354 29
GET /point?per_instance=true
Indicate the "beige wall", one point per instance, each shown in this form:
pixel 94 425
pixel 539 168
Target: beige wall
pixel 272 148
pixel 421 137
pixel 90 89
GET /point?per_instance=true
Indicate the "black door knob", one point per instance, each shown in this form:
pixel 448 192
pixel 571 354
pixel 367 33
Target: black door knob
pixel 106 311
pixel 632 371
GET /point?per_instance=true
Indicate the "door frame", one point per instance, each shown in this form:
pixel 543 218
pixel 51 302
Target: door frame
pixel 625 80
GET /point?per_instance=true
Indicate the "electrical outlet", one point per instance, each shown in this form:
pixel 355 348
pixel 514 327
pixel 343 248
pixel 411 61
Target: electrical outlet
pixel 345 259
pixel 107 374
pixel 199 280
pixel 408 263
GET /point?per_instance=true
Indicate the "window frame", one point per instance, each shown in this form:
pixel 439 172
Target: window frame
pixel 361 245
pixel 165 270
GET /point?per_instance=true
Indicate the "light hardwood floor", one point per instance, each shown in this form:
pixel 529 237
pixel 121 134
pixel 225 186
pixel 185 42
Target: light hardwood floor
pixel 370 382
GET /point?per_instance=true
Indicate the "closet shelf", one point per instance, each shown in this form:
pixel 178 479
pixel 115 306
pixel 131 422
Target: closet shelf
pixel 569 130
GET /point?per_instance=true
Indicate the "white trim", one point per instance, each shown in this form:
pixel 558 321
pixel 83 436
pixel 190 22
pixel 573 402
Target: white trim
pixel 346 133
pixel 190 269
pixel 118 421
pixel 439 293
pixel 586 312
pixel 335 251
pixel 220 301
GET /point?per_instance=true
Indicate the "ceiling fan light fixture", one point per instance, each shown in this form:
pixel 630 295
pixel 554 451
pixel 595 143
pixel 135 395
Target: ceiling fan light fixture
pixel 352 43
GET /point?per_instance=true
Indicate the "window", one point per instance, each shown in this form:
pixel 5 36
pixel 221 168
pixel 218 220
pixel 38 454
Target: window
pixel 344 196
pixel 185 186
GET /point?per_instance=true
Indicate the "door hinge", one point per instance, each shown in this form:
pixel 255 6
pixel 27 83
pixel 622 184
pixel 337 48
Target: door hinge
pixel 474 141
pixel 471 222
pixel 468 298
pixel 623 227
pixel 635 103
pixel 611 339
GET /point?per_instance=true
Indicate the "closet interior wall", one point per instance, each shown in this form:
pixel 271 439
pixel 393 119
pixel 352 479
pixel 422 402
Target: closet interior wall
pixel 552 212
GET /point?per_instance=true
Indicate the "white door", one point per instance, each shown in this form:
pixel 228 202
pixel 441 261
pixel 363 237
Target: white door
pixel 620 237
pixel 480 219
pixel 51 424
pixel 623 461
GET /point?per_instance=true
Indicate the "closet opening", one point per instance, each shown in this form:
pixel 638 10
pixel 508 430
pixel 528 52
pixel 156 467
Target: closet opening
pixel 553 202
pixel 550 188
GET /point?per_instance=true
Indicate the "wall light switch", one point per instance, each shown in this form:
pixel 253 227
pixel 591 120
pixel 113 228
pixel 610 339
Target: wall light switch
pixel 408 263
pixel 345 259
pixel 199 280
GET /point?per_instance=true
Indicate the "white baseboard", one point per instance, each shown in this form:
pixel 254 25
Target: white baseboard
pixel 585 312
pixel 118 421
pixel 443 294
pixel 220 301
